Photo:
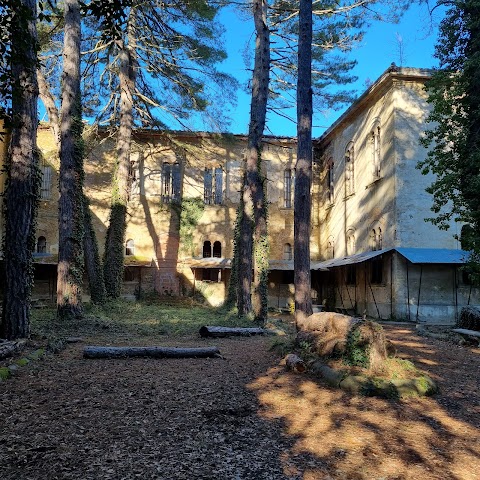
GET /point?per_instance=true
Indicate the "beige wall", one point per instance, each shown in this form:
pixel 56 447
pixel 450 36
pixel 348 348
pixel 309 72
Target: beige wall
pixel 153 225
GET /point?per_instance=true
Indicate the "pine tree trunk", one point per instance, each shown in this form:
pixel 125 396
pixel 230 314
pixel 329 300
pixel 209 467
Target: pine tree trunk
pixel 93 267
pixel 70 209
pixel 302 200
pixel 114 244
pixel 22 190
pixel 253 224
pixel 261 79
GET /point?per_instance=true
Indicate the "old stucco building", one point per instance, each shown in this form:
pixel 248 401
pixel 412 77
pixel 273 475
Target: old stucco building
pixel 383 258
pixel 371 250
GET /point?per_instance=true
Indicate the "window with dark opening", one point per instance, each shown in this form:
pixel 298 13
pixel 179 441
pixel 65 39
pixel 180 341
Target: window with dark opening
pixel 351 275
pixel 170 182
pixel 287 188
pixel 42 245
pixel 213 186
pixel 217 249
pixel 207 249
pixel 376 270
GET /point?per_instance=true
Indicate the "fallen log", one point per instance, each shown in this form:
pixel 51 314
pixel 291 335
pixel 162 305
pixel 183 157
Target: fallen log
pixel 221 332
pixel 295 363
pixel 10 348
pixel 152 352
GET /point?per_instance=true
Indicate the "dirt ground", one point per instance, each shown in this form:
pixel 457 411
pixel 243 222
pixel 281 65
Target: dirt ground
pixel 240 417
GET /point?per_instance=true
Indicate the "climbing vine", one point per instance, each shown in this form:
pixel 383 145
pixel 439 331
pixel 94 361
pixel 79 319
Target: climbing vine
pixel 113 258
pixel 189 211
pixel 261 247
pixel 231 299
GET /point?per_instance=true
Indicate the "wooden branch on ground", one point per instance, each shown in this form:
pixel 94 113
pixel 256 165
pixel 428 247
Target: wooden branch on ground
pixel 220 332
pixel 152 352
pixel 9 348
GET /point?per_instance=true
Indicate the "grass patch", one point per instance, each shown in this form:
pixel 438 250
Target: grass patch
pixel 123 320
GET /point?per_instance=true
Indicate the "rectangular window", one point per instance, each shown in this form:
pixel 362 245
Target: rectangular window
pixel 213 186
pixel 351 275
pixel 287 189
pixel 331 183
pixel 46 187
pixel 171 182
pixel 211 275
pixel 376 270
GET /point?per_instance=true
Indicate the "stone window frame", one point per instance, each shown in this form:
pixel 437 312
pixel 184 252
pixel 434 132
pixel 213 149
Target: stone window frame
pixel 349 159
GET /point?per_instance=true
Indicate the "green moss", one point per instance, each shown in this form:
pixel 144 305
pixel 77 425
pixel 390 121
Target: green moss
pixel 4 373
pixel 356 353
pixel 21 362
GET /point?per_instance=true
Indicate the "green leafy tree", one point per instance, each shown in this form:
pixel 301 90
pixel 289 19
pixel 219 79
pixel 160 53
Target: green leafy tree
pixel 454 136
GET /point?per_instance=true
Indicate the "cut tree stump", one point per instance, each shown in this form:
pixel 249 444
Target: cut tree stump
pixel 221 332
pixel 153 352
pixel 295 363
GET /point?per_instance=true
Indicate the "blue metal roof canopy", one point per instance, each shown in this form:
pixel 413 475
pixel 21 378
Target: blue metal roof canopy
pixel 414 255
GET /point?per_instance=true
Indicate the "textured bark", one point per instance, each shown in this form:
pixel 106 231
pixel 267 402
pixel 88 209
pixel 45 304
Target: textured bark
pixel 22 187
pixel 221 332
pixel 302 200
pixel 93 265
pixel 253 221
pixel 295 363
pixel 154 352
pixel 70 209
pixel 114 243
pixel 7 349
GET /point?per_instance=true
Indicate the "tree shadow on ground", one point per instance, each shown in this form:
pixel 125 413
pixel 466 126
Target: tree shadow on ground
pixel 356 437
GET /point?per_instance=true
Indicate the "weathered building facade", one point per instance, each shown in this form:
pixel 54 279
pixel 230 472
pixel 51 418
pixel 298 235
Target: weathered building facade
pixel 368 209
pixel 383 258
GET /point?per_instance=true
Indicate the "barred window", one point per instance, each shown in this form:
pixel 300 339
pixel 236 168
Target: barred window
pixel 207 249
pixel 46 186
pixel 171 182
pixel 213 186
pixel 288 188
pixel 217 249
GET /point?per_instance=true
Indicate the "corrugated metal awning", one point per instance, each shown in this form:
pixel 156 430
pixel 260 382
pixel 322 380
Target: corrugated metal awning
pixel 434 255
pixel 351 260
pixel 414 255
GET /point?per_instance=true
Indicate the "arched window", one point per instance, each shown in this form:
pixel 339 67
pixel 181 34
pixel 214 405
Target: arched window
pixel 373 240
pixel 287 252
pixel 351 245
pixel 217 249
pixel 349 170
pixel 130 247
pixel 375 150
pixel 207 249
pixel 379 239
pixel 330 181
pixel 42 245
pixel 331 248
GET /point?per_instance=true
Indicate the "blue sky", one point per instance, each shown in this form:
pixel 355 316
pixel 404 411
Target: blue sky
pixel 377 51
